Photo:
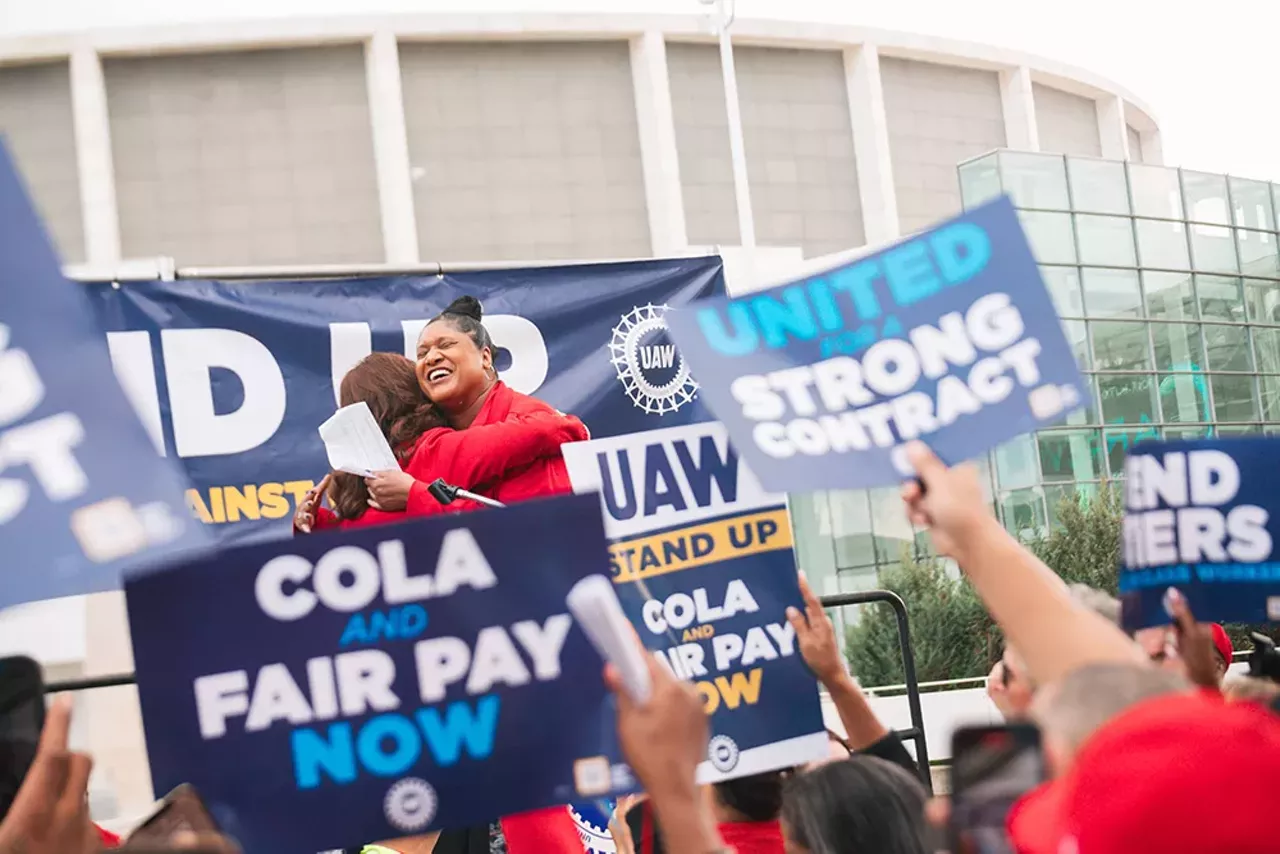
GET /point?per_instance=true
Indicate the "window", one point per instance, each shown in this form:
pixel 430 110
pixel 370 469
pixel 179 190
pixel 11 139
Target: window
pixel 1169 295
pixel 1068 455
pixel 1098 186
pixel 1220 298
pixel 1251 204
pixel 1213 249
pixel 1016 463
pixel 979 181
pixel 1177 346
pixel 1106 240
pixel 1233 398
pixel 1119 442
pixel 1056 496
pixel 1064 287
pixel 1127 398
pixel 1050 236
pixel 851 528
pixel 1206 197
pixel 1266 345
pixel 1078 338
pixel 1162 245
pixel 1262 301
pixel 1257 253
pixel 1023 512
pixel 1111 293
pixel 1155 191
pixel 1184 397
pixel 1227 347
pixel 1120 345
pixel 1269 395
pixel 1035 180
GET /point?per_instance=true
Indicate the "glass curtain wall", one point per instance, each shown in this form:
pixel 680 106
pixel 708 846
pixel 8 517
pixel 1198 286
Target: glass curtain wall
pixel 1167 282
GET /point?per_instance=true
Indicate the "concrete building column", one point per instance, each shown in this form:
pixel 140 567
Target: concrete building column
pixel 658 156
pixel 871 144
pixel 391 149
pixel 1018 100
pixel 92 126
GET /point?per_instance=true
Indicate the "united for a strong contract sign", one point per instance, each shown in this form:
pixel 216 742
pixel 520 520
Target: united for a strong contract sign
pixel 341 688
pixel 949 337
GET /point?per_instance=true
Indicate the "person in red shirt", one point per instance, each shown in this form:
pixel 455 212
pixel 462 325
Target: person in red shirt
pixel 427 447
pixel 455 370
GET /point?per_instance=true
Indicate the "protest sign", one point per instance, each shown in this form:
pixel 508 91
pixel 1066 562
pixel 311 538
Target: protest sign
pixel 948 336
pixel 701 556
pixel 378 683
pixel 82 491
pixel 1202 516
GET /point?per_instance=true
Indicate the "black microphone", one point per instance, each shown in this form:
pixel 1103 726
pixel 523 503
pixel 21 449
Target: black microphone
pixel 447 493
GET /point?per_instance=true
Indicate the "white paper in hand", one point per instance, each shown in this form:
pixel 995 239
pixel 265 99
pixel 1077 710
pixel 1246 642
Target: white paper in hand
pixel 594 604
pixel 355 444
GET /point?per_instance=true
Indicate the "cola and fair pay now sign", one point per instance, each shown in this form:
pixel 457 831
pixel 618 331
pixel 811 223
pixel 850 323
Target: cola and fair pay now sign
pixel 948 336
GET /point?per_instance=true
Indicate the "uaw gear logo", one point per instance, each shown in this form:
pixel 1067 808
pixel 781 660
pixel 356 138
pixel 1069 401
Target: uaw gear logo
pixel 593 828
pixel 649 366
pixel 723 753
pixel 410 804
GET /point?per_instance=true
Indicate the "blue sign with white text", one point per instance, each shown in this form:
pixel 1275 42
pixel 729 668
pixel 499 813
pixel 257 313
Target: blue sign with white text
pixel 949 337
pixel 1202 516
pixel 379 683
pixel 83 492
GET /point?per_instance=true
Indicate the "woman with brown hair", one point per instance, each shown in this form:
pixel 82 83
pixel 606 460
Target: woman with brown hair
pixel 427 447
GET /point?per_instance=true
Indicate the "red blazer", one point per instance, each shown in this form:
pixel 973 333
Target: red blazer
pixel 545 475
pixel 477 459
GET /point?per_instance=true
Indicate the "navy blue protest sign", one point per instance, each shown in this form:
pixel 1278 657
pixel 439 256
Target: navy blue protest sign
pixel 233 378
pixel 378 683
pixel 701 557
pixel 949 337
pixel 82 491
pixel 1202 516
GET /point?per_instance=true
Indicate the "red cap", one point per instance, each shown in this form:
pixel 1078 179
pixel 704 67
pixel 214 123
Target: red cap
pixel 1222 642
pixel 1182 773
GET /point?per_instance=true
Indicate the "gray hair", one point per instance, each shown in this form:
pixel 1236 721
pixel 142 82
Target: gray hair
pixel 1075 706
pixel 1102 604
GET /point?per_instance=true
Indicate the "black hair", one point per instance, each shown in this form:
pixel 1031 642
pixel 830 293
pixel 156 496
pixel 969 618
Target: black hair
pixel 855 805
pixel 464 315
pixel 755 798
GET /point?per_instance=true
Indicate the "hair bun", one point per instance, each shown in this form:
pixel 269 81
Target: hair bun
pixel 467 306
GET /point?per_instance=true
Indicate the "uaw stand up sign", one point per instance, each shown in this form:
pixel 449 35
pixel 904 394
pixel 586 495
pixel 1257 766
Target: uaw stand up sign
pixel 1201 516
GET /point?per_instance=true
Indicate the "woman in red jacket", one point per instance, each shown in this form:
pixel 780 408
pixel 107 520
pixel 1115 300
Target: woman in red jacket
pixel 427 447
pixel 455 370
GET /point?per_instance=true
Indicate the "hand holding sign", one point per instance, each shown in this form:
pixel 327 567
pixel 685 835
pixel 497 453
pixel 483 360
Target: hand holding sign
pixel 948 336
pixel 947 501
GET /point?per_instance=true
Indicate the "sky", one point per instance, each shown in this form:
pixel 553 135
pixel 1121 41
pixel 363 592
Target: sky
pixel 1210 72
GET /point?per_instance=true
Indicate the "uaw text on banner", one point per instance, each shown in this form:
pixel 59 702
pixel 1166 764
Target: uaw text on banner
pixel 1202 516
pixel 949 337
pixel 372 684
pixel 701 555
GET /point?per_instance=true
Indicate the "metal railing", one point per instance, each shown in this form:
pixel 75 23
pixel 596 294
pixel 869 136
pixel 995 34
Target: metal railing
pixel 916 731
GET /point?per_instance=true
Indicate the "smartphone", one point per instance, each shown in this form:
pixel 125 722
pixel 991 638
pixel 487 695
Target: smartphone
pixel 21 720
pixel 991 768
pixel 181 809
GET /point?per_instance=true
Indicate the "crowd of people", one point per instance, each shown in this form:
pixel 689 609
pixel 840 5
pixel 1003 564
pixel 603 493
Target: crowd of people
pixel 1144 748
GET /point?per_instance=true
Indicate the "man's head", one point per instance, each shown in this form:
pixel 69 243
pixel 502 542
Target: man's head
pixel 1073 708
pixel 1010 686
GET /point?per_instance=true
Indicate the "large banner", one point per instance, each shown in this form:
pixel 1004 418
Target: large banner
pixel 331 690
pixel 82 493
pixel 233 378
